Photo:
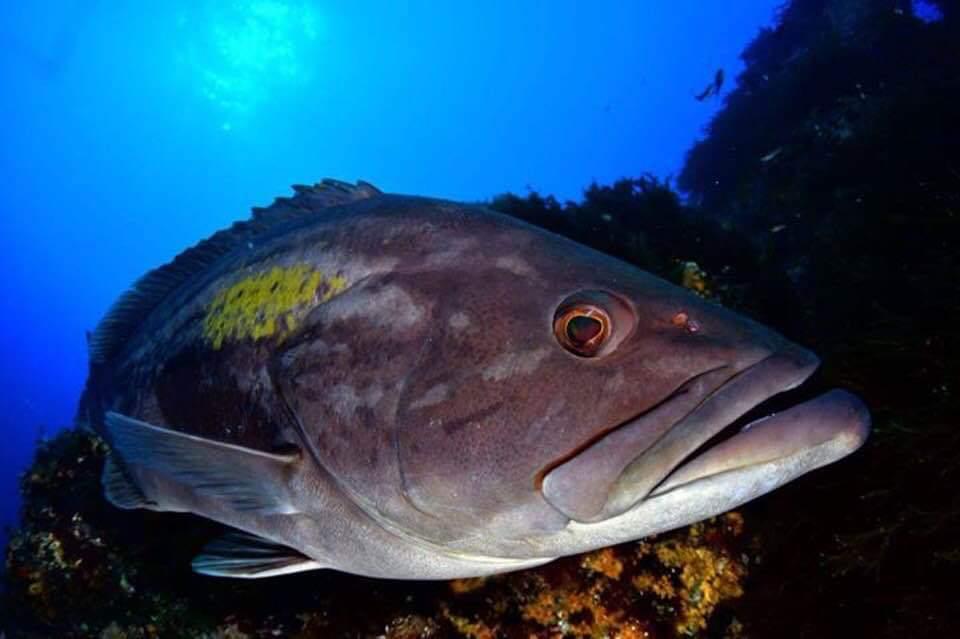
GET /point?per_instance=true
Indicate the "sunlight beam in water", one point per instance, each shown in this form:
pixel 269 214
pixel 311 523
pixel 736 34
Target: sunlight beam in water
pixel 246 53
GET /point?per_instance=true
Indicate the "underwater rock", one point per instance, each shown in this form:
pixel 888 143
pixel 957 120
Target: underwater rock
pixel 77 567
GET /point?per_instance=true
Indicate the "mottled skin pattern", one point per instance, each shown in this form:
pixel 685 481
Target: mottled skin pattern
pixel 431 397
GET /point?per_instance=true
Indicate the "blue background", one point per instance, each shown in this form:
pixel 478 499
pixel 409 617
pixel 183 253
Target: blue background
pixel 131 130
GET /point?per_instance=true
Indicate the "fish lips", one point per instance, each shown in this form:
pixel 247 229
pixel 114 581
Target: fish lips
pixel 650 454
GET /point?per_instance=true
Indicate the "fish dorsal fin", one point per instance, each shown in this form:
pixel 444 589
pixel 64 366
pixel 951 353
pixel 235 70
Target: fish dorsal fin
pixel 126 314
pixel 241 555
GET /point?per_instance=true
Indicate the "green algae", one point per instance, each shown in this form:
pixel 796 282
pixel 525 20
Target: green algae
pixel 270 303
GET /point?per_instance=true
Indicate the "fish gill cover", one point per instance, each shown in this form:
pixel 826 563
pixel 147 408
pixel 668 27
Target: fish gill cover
pixel 835 219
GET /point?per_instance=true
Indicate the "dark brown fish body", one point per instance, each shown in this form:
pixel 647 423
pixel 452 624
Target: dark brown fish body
pixel 406 387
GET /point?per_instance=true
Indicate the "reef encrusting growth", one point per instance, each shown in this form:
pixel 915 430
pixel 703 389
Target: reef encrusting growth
pixel 80 568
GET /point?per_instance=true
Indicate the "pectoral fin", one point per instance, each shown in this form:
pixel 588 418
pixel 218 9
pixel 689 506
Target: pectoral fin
pixel 120 488
pixel 246 556
pixel 243 478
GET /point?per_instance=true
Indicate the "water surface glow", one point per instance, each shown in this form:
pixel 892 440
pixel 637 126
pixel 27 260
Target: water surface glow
pixel 244 54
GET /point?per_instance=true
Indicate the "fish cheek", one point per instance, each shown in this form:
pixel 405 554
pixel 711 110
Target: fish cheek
pixel 473 463
pixel 467 452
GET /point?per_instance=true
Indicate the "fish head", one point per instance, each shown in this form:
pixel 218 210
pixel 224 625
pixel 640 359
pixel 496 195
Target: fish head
pixel 524 382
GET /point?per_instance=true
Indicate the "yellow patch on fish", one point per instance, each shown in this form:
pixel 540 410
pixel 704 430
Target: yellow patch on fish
pixel 271 303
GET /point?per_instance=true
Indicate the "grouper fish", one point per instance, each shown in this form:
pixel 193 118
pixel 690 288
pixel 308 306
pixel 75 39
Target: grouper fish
pixel 406 387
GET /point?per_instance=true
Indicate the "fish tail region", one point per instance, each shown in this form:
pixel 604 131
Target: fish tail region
pixel 268 304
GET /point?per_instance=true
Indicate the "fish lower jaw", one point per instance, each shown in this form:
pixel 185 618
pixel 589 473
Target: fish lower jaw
pixel 683 443
pixel 835 421
pixel 681 504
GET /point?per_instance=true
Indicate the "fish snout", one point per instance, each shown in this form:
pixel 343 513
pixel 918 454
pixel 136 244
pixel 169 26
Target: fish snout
pixel 616 472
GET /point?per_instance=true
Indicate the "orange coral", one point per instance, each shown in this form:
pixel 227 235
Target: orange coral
pixel 603 561
pixel 707 575
pixel 461 586
pixel 575 612
pixel 468 628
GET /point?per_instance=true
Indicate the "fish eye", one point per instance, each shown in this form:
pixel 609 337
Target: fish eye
pixel 582 328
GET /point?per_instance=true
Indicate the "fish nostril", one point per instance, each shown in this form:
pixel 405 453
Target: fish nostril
pixel 683 320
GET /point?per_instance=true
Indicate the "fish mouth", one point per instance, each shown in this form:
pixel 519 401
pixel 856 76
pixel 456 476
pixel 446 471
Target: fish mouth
pixel 678 443
pixel 836 419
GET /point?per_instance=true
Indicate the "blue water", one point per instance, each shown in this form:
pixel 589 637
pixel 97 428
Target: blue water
pixel 130 130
